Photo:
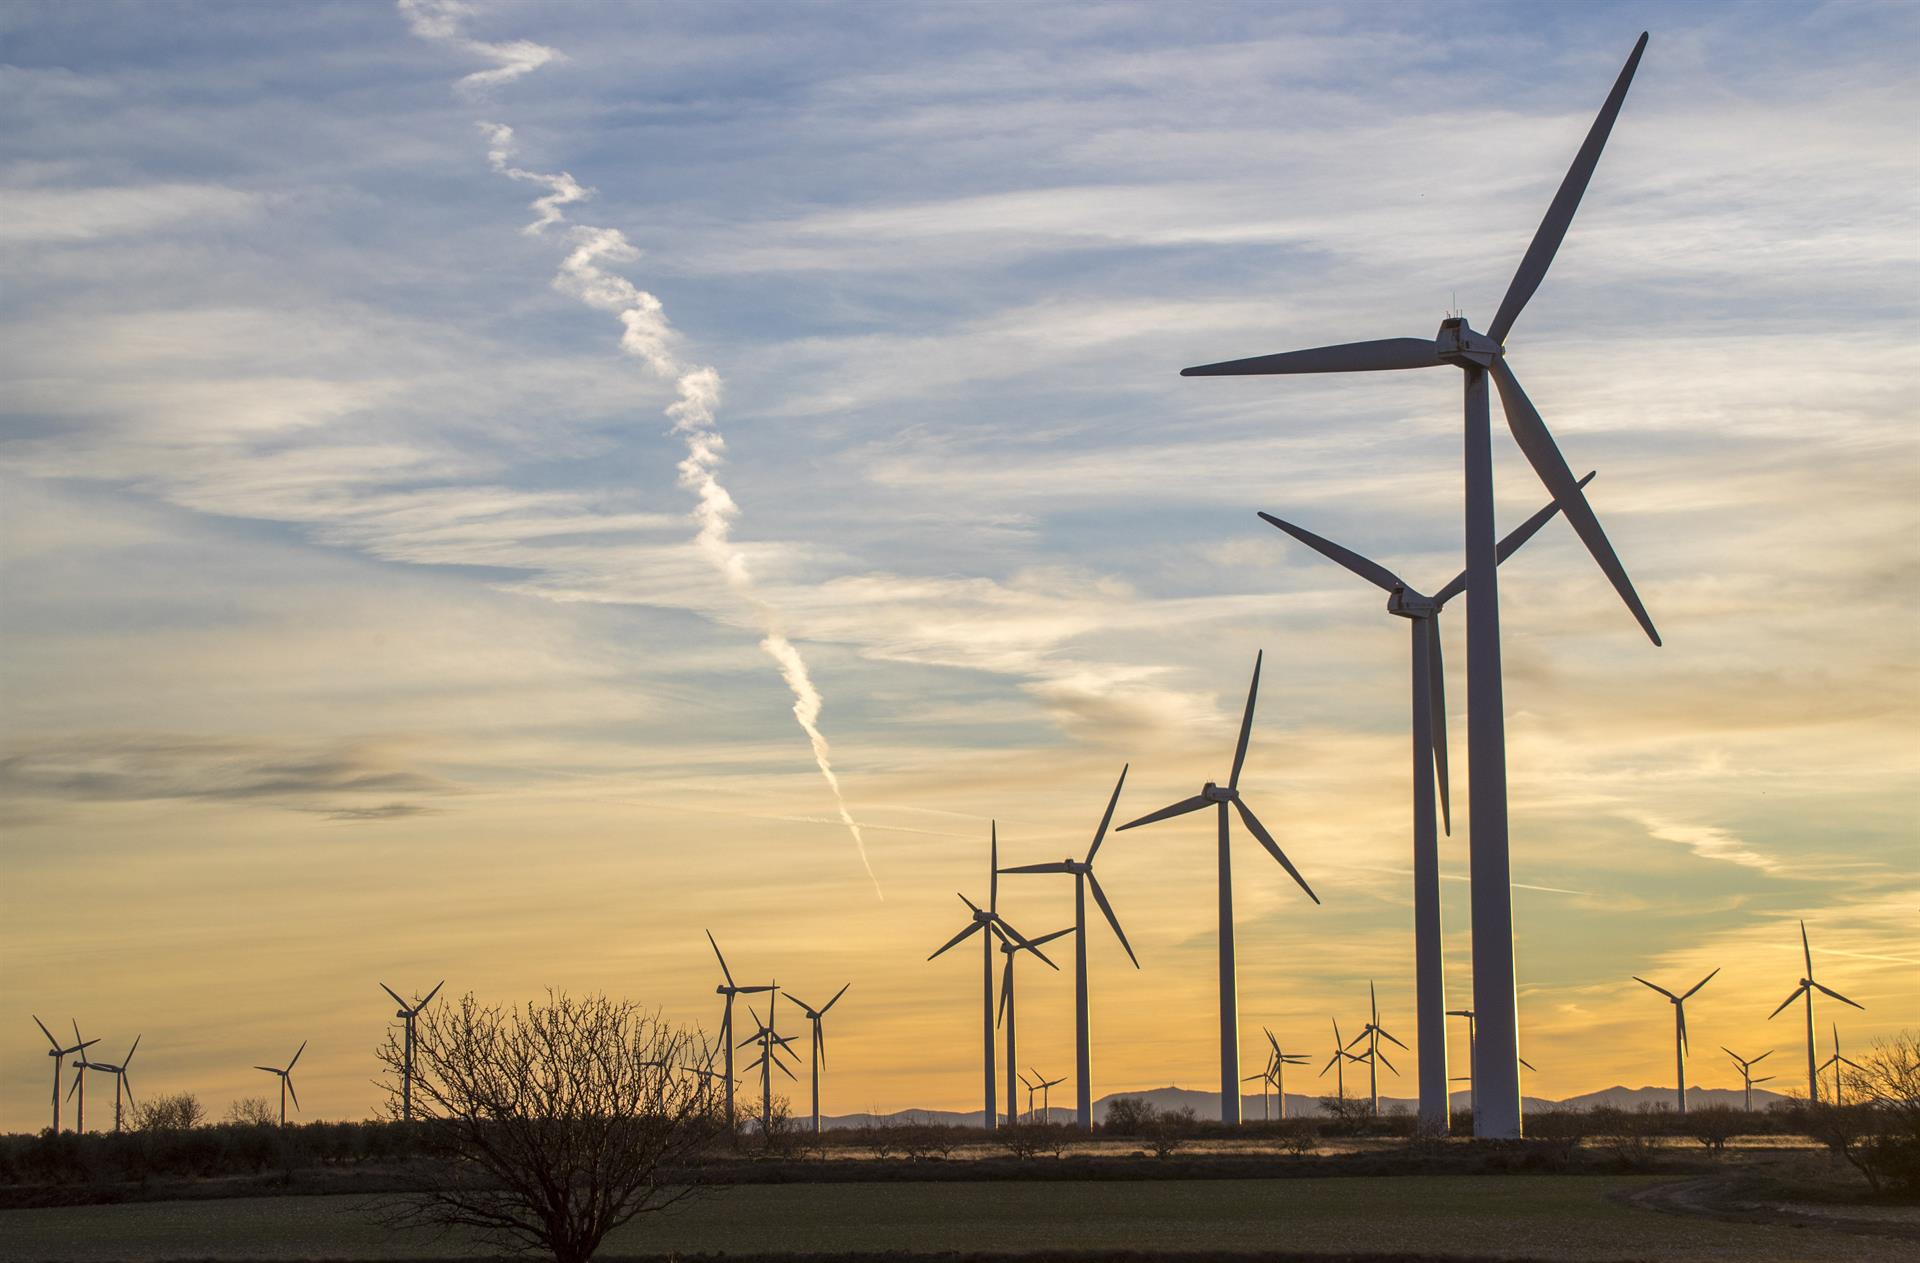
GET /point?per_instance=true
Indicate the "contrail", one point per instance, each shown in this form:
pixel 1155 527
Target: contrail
pixel 647 335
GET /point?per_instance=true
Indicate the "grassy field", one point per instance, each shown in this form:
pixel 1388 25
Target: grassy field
pixel 1539 1216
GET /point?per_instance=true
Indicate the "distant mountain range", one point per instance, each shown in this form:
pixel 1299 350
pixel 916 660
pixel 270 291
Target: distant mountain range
pixel 1206 1105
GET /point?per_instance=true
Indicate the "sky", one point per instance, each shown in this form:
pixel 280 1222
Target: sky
pixel 448 447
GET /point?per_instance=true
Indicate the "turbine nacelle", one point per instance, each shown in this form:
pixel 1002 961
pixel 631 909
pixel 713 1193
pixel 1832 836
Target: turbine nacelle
pixel 1458 343
pixel 1407 603
pixel 1215 794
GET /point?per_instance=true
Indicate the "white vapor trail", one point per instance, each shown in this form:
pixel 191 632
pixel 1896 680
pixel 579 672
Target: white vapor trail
pixel 647 335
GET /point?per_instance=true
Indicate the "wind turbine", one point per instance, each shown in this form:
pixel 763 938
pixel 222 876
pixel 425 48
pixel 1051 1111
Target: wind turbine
pixel 1220 799
pixel 1046 1087
pixel 1429 712
pixel 406 1015
pixel 1266 1082
pixel 286 1082
pixel 1373 1033
pixel 119 1074
pixel 1836 1061
pixel 1032 1086
pixel 1480 356
pixel 1007 1015
pixel 772 1045
pixel 990 921
pixel 1338 1062
pixel 1679 1032
pixel 80 1069
pixel 817 1017
pixel 1083 879
pixel 1746 1066
pixel 729 990
pixel 58 1053
pixel 1807 987
pixel 1278 1068
pixel 1473 1058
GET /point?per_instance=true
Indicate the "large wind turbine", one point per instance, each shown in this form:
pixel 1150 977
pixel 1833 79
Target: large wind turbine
pixel 1746 1071
pixel 1373 1033
pixel 58 1054
pixel 1836 1061
pixel 406 1015
pixel 1429 713
pixel 988 923
pixel 1212 795
pixel 1480 356
pixel 1083 879
pixel 119 1073
pixel 729 990
pixel 817 1017
pixel 1807 987
pixel 286 1081
pixel 1679 1032
pixel 1009 1018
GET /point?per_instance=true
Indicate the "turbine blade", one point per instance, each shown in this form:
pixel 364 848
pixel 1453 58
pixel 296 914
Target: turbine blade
pixel 1530 432
pixel 797 1000
pixel 1025 943
pixel 975 908
pixel 293 1092
pixel 1048 938
pixel 1662 990
pixel 1106 909
pixel 1273 848
pixel 128 1059
pixel 724 971
pixel 1100 834
pixel 1383 1060
pixel 1682 1012
pixel 1828 991
pixel 269 1069
pixel 752 990
pixel 1384 1035
pixel 1055 867
pixel 1347 357
pixel 296 1056
pixel 1797 992
pixel 1762 1057
pixel 1437 718
pixel 1246 723
pixel 44 1031
pixel 1528 1064
pixel 1006 992
pixel 1703 982
pixel 429 1000
pixel 782 1067
pixel 396 995
pixel 958 938
pixel 1553 228
pixel 1180 808
pixel 127 1083
pixel 836 999
pixel 993 871
pixel 1805 947
pixel 1509 545
pixel 1372 571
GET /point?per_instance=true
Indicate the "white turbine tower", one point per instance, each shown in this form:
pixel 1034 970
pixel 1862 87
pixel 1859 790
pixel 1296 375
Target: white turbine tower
pixel 1807 987
pixel 1429 713
pixel 1679 1032
pixel 1373 1033
pixel 1481 356
pixel 1212 795
pixel 407 1013
pixel 1009 1017
pixel 1083 881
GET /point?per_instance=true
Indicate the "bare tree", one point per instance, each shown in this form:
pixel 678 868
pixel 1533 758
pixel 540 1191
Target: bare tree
pixel 554 1124
pixel 180 1112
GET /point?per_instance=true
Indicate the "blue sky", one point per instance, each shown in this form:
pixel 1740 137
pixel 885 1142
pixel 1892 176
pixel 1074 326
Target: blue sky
pixel 346 556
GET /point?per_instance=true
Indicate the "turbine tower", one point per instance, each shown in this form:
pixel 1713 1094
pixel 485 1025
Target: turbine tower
pixel 1481 356
pixel 773 1045
pixel 1679 1032
pixel 58 1054
pixel 1746 1066
pixel 1032 1086
pixel 1429 712
pixel 120 1081
pixel 1008 1017
pixel 990 925
pixel 80 1068
pixel 1212 795
pixel 817 1017
pixel 406 1015
pixel 1836 1061
pixel 729 990
pixel 1373 1033
pixel 286 1081
pixel 1807 987
pixel 1083 880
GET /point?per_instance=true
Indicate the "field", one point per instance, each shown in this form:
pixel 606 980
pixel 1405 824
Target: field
pixel 1520 1216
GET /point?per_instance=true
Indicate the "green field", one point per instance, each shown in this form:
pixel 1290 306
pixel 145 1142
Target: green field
pixel 1555 1217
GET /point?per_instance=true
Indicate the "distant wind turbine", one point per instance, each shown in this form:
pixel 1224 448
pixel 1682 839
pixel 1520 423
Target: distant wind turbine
pixel 1046 1087
pixel 1032 1086
pixel 1008 1016
pixel 773 1045
pixel 1746 1066
pixel 59 1054
pixel 286 1081
pixel 1473 1059
pixel 1807 987
pixel 1212 795
pixel 120 1081
pixel 1277 1067
pixel 729 990
pixel 1083 881
pixel 817 1017
pixel 406 1015
pixel 1429 712
pixel 1679 1032
pixel 1338 1062
pixel 1373 1033
pixel 79 1088
pixel 1836 1061
pixel 1482 357
pixel 989 924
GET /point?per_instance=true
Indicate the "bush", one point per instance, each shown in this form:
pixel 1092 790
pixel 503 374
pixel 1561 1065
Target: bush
pixel 180 1112
pixel 1168 1129
pixel 1715 1125
pixel 1128 1116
